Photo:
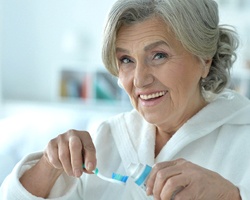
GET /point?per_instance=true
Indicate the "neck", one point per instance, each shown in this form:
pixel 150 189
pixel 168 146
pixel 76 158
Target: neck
pixel 163 135
pixel 161 139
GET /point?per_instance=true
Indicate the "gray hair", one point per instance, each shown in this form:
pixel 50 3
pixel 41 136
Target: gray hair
pixel 195 24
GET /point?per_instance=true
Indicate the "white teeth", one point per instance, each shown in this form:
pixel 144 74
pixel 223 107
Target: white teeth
pixel 151 96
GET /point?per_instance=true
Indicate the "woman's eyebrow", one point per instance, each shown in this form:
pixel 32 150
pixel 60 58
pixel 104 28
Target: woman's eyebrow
pixel 146 48
pixel 155 44
pixel 118 49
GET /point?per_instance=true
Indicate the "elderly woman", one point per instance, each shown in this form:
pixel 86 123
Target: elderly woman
pixel 173 60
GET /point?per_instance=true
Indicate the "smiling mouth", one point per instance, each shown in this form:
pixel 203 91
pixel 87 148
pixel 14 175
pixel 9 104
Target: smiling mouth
pixel 153 96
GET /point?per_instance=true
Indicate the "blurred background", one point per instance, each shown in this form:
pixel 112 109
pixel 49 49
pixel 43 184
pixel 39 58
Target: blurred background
pixel 51 75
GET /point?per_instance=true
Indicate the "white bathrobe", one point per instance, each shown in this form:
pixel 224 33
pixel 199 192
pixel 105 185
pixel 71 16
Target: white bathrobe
pixel 217 138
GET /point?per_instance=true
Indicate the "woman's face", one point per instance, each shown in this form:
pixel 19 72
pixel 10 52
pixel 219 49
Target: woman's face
pixel 159 75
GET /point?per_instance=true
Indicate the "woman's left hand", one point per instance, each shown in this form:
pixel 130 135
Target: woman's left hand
pixel 181 179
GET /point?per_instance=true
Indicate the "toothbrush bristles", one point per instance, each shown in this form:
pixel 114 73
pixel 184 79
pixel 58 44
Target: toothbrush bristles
pixel 119 177
pixel 116 178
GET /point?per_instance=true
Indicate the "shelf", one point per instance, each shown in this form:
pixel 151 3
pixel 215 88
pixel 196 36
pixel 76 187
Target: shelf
pixel 87 83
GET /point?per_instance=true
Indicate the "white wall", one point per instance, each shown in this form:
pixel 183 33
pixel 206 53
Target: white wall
pixel 237 14
pixel 1 52
pixel 33 32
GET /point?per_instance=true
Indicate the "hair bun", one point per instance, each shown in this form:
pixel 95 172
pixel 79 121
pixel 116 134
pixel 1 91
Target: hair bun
pixel 223 60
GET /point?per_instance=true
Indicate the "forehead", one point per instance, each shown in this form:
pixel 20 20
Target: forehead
pixel 153 29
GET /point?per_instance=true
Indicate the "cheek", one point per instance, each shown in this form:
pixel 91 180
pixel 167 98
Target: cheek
pixel 127 83
pixel 182 77
pixel 185 87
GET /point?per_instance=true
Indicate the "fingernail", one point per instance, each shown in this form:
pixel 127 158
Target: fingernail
pixel 77 173
pixel 90 166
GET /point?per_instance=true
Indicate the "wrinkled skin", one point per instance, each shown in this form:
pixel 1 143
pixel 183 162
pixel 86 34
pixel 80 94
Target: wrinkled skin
pixel 162 81
pixel 178 179
pixel 70 150
pixel 65 153
pixel 183 180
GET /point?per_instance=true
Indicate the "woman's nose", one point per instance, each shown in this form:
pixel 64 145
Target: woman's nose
pixel 143 76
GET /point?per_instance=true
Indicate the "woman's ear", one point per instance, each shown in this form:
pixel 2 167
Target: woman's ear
pixel 206 68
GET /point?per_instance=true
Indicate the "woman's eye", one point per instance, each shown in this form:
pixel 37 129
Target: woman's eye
pixel 160 56
pixel 125 60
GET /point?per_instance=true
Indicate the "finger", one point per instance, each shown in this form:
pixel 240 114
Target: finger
pixel 75 146
pixel 153 174
pixel 51 154
pixel 169 178
pixel 185 193
pixel 177 191
pixel 173 186
pixel 89 152
pixel 64 157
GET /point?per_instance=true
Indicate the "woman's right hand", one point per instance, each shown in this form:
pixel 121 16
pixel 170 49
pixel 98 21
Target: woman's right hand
pixel 67 152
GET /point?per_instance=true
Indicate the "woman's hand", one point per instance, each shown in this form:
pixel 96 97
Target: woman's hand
pixel 180 179
pixel 69 151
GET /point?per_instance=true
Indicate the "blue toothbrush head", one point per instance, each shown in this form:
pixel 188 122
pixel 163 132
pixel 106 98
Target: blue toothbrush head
pixel 116 178
pixel 119 177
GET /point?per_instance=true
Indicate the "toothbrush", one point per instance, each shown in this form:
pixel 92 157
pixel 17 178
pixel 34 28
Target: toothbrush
pixel 116 178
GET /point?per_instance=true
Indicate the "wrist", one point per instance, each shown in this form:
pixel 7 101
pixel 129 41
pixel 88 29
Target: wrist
pixel 48 168
pixel 40 179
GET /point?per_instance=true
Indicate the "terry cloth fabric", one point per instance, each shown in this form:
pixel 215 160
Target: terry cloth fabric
pixel 216 138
